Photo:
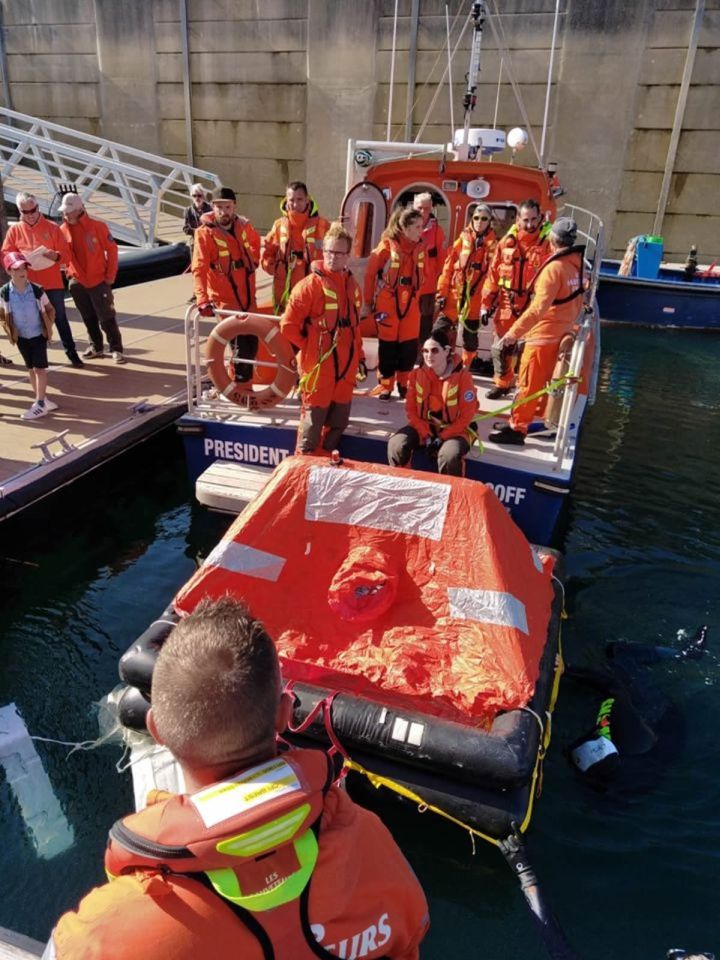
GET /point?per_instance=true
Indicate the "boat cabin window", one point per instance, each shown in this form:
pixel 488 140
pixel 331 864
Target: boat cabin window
pixel 503 216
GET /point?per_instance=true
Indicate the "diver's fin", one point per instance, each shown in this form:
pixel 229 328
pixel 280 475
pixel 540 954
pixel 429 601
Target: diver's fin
pixel 697 646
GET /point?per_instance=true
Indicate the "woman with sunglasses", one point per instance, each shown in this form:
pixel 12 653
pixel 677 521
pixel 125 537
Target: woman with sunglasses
pixel 197 208
pixel 440 406
pixel 460 285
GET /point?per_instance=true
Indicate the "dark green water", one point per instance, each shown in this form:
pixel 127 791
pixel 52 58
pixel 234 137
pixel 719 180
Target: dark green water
pixel 628 876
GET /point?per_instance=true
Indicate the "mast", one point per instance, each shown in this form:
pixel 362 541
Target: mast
pixel 470 99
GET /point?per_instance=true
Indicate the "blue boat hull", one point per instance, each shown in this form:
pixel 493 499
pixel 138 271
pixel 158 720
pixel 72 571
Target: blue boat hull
pixel 668 301
pixel 534 501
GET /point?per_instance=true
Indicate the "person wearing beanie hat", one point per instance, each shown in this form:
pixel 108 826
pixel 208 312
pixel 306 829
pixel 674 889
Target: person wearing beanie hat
pixel 226 254
pixel 556 304
pixel 45 248
pixel 294 242
pixel 92 271
pixel 505 292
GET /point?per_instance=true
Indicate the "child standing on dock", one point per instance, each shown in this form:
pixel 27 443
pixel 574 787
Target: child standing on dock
pixel 27 316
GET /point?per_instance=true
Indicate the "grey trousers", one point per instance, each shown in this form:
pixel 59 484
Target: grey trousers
pixel 406 441
pixel 97 308
pixel 335 417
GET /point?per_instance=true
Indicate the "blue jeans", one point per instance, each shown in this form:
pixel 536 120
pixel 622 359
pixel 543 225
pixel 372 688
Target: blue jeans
pixel 57 299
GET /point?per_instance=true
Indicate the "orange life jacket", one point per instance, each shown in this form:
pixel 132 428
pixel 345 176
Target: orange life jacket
pixel 443 409
pixel 335 320
pixel 518 266
pixel 581 274
pixel 472 265
pixel 235 259
pixel 312 237
pixel 252 839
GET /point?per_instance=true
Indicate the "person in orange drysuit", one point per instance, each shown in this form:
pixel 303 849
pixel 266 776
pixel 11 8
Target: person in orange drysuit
pixel 226 253
pixel 555 305
pixel 293 243
pixel 435 250
pixel 322 320
pixel 264 855
pixel 440 406
pixel 460 285
pixel 393 279
pixel 42 243
pixel 515 262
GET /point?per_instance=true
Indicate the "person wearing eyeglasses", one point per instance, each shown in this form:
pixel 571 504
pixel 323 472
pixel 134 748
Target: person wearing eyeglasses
pixel 197 208
pixel 42 244
pixel 294 242
pixel 505 294
pixel 440 406
pixel 460 285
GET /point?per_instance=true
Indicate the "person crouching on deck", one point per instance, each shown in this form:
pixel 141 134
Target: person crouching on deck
pixel 226 253
pixel 440 406
pixel 393 280
pixel 265 855
pixel 322 320
pixel 553 312
pixel 461 282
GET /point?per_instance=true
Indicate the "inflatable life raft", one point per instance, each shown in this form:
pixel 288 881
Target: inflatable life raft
pixel 417 627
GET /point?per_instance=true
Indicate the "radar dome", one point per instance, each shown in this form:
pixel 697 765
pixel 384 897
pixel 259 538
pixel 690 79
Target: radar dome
pixel 517 139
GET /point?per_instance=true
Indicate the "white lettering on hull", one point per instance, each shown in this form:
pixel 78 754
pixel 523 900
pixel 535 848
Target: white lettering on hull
pixel 244 452
pixel 507 494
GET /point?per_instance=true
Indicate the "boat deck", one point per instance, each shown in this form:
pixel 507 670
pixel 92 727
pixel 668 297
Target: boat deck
pixel 103 408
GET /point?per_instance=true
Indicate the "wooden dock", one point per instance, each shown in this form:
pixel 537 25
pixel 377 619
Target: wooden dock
pixel 104 408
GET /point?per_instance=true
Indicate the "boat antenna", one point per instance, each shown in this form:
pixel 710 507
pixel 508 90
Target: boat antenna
pixel 449 66
pixel 477 17
pixel 549 83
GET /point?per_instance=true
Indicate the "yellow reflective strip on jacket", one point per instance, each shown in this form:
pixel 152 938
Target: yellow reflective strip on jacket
pixel 545 230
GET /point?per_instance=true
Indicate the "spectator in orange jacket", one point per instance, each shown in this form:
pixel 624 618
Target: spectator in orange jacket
pixel 318 872
pixel 92 271
pixel 553 312
pixel 440 406
pixel 42 243
pixel 433 239
pixel 393 279
pixel 322 320
pixel 460 285
pixel 294 242
pixel 516 260
pixel 225 257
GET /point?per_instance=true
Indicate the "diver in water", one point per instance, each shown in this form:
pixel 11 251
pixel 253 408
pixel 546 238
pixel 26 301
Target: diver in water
pixel 635 717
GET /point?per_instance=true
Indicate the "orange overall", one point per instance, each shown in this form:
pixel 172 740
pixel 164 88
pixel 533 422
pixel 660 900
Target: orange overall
pixel 515 262
pixel 461 282
pixel 292 244
pixel 322 320
pixel 553 311
pixel 394 277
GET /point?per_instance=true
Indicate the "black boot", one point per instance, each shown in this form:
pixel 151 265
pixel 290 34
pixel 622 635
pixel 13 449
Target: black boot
pixel 74 359
pixel 507 436
pixel 497 392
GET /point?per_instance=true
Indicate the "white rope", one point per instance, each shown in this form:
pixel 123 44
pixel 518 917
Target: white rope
pixel 392 71
pixel 450 80
pixel 442 80
pixel 497 97
pixel 549 82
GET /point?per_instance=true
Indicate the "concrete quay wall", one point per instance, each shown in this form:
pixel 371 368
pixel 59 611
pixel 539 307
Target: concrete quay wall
pixel 277 86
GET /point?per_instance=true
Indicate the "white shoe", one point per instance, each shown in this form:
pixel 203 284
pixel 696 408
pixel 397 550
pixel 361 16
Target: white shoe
pixel 118 357
pixel 50 405
pixel 35 412
pixel 92 354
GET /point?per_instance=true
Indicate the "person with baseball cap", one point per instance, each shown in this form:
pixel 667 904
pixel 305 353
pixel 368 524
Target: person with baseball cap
pixel 42 244
pixel 226 255
pixel 553 312
pixel 92 271
pixel 28 316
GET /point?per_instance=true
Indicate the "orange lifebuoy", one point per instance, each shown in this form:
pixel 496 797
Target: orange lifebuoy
pixel 268 333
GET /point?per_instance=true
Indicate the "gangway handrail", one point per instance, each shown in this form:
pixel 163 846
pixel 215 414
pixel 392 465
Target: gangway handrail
pixel 129 188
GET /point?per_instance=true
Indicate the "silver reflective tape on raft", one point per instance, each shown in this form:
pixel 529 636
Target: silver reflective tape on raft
pixel 239 558
pixel 216 336
pixel 271 334
pixel 380 501
pixel 276 389
pixel 488 606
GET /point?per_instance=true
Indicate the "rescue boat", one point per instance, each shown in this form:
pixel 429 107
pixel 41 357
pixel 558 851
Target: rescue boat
pixel 234 429
pixel 417 627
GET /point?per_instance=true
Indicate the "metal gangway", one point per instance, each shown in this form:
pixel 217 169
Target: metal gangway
pixel 141 196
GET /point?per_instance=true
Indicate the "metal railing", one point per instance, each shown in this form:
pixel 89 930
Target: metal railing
pixel 140 195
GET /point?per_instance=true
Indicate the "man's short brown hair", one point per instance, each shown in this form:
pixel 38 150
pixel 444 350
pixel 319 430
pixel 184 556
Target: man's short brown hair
pixel 336 231
pixel 216 685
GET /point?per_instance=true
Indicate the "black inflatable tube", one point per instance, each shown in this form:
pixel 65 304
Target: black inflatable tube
pixel 137 664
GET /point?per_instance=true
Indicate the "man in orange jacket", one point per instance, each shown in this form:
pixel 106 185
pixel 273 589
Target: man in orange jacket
pixel 322 321
pixel 294 242
pixel 92 270
pixel 264 855
pixel 225 257
pixel 515 262
pixel 42 243
pixel 554 310
pixel 433 239
pixel 440 406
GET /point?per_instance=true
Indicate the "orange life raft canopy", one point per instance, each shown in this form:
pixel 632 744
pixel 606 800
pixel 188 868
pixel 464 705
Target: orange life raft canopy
pixel 414 592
